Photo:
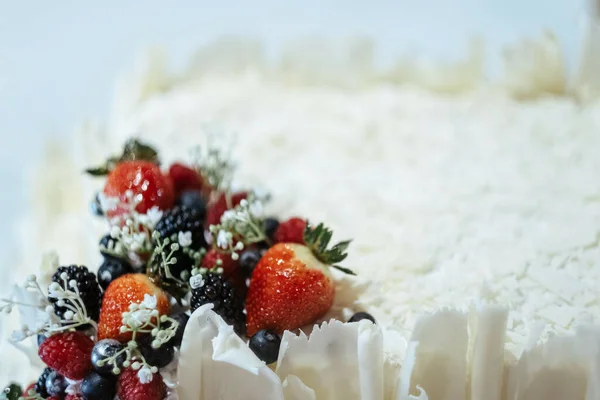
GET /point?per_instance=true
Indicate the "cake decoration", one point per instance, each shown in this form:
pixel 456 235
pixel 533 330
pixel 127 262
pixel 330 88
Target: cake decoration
pixel 181 243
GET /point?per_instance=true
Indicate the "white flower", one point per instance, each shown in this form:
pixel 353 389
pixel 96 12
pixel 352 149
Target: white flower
pixel 107 203
pixel 154 215
pixel 196 281
pixel 229 215
pixel 256 209
pixel 55 291
pixel 185 238
pixel 222 239
pixel 138 318
pixel 145 375
pixel 149 301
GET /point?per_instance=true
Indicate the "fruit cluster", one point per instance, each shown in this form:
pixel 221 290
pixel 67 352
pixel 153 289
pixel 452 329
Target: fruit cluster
pixel 176 241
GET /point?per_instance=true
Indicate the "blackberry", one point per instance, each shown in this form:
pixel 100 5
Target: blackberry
pixel 40 385
pixel 181 219
pixel 222 295
pixel 88 287
pixel 271 225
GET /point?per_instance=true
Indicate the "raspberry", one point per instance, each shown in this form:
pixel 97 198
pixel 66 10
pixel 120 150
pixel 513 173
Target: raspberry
pixel 88 288
pixel 216 209
pixel 68 353
pixel 129 387
pixel 291 231
pixel 184 178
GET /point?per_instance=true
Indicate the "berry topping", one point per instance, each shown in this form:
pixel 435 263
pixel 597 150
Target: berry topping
pixel 193 199
pixel 182 319
pixel 86 286
pixel 185 178
pixel 40 385
pixel 231 269
pixel 271 225
pixel 359 316
pixel 129 387
pixel 56 384
pixel 111 269
pixel 219 292
pixel 40 339
pixel 118 297
pixel 222 204
pixel 108 357
pixel 96 207
pixel 139 178
pixel 291 231
pixel 11 392
pixel 249 259
pixel 265 344
pixel 68 353
pixel 158 357
pixel 99 387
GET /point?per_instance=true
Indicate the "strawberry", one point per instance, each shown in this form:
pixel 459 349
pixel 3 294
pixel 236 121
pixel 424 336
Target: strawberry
pixel 291 231
pixel 142 178
pixel 231 269
pixel 220 205
pixel 68 354
pixel 292 286
pixel 185 178
pixel 129 387
pixel 121 292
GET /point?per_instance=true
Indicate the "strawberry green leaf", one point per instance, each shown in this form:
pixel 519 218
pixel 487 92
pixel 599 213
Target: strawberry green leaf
pixel 318 238
pixel 133 150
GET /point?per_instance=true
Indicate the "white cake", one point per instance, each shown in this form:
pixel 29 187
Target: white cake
pixel 472 206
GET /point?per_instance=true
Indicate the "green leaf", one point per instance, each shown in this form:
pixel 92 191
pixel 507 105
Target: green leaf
pixel 344 270
pixel 318 238
pixel 133 150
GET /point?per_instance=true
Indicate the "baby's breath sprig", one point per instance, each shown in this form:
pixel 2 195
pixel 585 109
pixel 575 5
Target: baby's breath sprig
pixel 130 230
pixel 164 255
pixel 142 317
pixel 239 227
pixel 48 323
pixel 214 161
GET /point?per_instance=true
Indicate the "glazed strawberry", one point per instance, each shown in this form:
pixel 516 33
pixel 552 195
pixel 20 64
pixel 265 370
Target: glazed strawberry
pixel 231 269
pixel 291 231
pixel 185 178
pixel 220 205
pixel 129 387
pixel 142 178
pixel 68 354
pixel 292 286
pixel 118 296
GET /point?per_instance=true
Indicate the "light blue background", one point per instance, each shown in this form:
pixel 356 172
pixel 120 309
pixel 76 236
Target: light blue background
pixel 59 59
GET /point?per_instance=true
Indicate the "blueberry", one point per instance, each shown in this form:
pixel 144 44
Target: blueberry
pixel 99 387
pixel 104 349
pixel 193 199
pixel 265 344
pixel 55 384
pixel 160 357
pixel 95 207
pixel 249 259
pixel 182 318
pixel 359 316
pixel 106 245
pixel 41 339
pixel 111 269
pixel 271 225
